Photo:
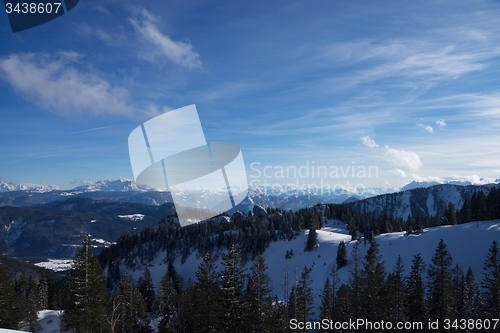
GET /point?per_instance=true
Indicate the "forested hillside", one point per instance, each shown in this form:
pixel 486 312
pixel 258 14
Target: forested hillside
pixel 423 202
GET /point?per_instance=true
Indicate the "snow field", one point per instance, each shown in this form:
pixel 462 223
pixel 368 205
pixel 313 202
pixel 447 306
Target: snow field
pixel 467 243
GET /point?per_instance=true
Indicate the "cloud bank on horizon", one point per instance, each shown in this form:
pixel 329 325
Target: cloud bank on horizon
pixel 288 82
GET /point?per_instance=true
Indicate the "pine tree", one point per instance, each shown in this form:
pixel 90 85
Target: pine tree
pixel 341 255
pixel 343 305
pixel 325 309
pixel 374 292
pixel 415 291
pixel 473 298
pixel 207 316
pixel 232 283
pixel 292 303
pixel 29 301
pixel 278 322
pixel 328 308
pixel 491 282
pixel 166 298
pixel 305 297
pixel 478 206
pixel 286 300
pixel 9 313
pixel 44 290
pixel 259 296
pixel 450 214
pixel 87 301
pixel 442 300
pixel 312 240
pixel 396 287
pixel 353 231
pixel 355 282
pixel 465 212
pixel 458 281
pixel 146 288
pixel 327 302
pixel 132 307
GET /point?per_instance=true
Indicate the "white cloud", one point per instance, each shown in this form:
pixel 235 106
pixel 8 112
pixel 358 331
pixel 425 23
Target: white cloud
pixel 397 172
pixel 54 83
pixel 416 63
pixel 94 31
pixel 426 128
pixel 179 52
pixel 473 179
pixel 102 10
pixel 153 111
pixel 368 142
pixel 399 158
pixel 486 163
pixel 403 159
pixel 441 123
pixel 426 179
pixel 81 182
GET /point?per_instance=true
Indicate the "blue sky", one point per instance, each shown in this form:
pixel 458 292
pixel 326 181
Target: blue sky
pixel 412 88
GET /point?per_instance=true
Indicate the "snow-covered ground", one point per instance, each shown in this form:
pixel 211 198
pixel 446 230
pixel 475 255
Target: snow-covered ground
pixel 467 243
pixel 56 265
pixel 49 321
pixel 133 217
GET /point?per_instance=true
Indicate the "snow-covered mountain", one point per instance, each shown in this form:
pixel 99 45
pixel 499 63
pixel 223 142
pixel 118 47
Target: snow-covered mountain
pixel 415 184
pixel 39 188
pixel 125 190
pixel 285 197
pixel 449 180
pixel 425 201
pixel 123 185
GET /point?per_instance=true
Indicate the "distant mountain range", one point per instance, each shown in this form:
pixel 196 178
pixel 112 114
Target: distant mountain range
pixel 125 190
pixel 421 201
pixel 41 221
pixel 415 184
pixel 56 229
pixel 9 187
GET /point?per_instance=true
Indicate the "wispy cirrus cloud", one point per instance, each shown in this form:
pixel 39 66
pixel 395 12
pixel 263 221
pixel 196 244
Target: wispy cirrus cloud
pixel 55 83
pixel 409 63
pixel 81 182
pixel 109 36
pixel 397 172
pixel 179 52
pixel 98 32
pixel 486 163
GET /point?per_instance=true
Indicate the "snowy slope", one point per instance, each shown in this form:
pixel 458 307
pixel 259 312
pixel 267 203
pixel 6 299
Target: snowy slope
pixel 50 321
pixel 467 244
